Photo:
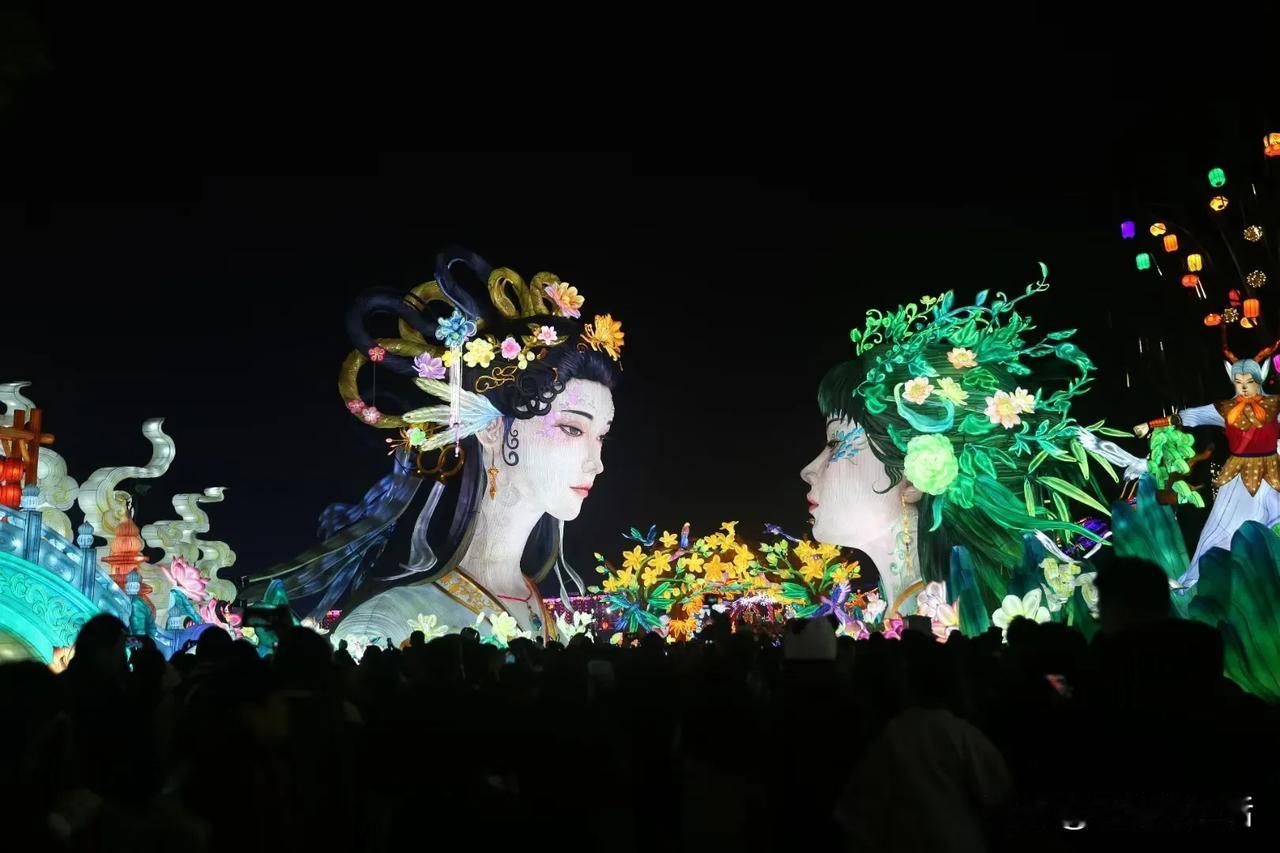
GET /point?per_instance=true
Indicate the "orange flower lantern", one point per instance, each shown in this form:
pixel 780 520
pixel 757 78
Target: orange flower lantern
pixel 1252 308
pixel 1191 280
pixel 1271 145
pixel 1195 263
pixel 1213 319
pixel 1171 242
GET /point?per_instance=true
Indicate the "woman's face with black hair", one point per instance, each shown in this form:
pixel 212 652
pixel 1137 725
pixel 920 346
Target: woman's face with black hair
pixel 559 452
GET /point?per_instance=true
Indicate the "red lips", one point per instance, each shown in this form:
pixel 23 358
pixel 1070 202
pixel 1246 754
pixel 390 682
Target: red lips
pixel 581 490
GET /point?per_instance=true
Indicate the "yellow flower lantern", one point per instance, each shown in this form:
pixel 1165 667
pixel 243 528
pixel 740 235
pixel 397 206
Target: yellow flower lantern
pixel 1195 263
pixel 1218 203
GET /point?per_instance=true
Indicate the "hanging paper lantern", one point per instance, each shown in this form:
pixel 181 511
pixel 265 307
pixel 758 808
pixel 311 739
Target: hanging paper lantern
pixel 1246 323
pixel 1253 233
pixel 1191 280
pixel 1195 263
pixel 1143 260
pixel 1217 177
pixel 1171 242
pixel 1257 278
pixel 1213 319
pixel 1271 145
pixel 1158 229
pixel 1233 296
pixel 1252 309
pixel 1218 203
pixel 11 495
pixel 1128 230
pixel 1230 315
pixel 11 470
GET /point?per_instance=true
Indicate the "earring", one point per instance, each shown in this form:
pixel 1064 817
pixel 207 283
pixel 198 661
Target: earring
pixel 493 481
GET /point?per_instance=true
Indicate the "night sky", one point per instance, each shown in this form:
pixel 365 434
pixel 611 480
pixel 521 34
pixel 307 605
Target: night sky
pixel 147 284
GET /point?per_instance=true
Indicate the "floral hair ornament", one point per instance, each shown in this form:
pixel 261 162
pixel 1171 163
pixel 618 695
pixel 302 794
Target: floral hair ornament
pixel 605 335
pixel 455 330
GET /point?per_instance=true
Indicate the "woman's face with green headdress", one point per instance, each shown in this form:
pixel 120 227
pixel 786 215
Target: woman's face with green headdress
pixel 850 496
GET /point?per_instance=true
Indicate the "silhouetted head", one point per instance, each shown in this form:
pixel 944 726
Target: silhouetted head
pixel 1131 592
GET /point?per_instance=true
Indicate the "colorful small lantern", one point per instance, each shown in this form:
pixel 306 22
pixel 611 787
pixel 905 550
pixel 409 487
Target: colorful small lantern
pixel 1128 230
pixel 11 495
pixel 1230 315
pixel 1233 297
pixel 1171 242
pixel 1257 278
pixel 1195 263
pixel 1271 145
pixel 1218 203
pixel 1252 309
pixel 1213 319
pixel 1158 229
pixel 1191 280
pixel 1253 233
pixel 1143 260
pixel 1217 177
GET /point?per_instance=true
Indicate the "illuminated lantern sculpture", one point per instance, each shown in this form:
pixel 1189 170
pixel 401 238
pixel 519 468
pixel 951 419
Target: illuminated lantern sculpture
pixel 1143 260
pixel 1217 178
pixel 1252 308
pixel 11 471
pixel 1158 229
pixel 1195 263
pixel 1171 242
pixel 1191 280
pixel 1253 233
pixel 1128 230
pixel 1213 319
pixel 1233 296
pixel 1218 203
pixel 1271 145
pixel 126 551
pixel 1257 278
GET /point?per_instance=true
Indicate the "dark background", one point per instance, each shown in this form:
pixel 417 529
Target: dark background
pixel 144 280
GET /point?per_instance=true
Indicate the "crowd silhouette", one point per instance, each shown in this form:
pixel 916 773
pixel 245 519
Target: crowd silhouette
pixel 732 741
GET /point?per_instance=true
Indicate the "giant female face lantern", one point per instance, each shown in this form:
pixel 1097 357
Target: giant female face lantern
pixel 854 502
pixel 519 396
pixel 950 427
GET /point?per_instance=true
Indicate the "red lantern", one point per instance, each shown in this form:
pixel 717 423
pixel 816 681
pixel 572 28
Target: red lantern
pixel 11 470
pixel 1252 308
pixel 11 495
pixel 1233 296
pixel 1171 242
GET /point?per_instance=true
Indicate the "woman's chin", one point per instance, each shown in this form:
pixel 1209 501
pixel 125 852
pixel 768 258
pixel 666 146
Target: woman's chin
pixel 567 512
pixel 825 534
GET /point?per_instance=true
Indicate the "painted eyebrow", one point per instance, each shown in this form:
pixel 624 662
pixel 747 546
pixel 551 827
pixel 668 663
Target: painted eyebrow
pixel 578 412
